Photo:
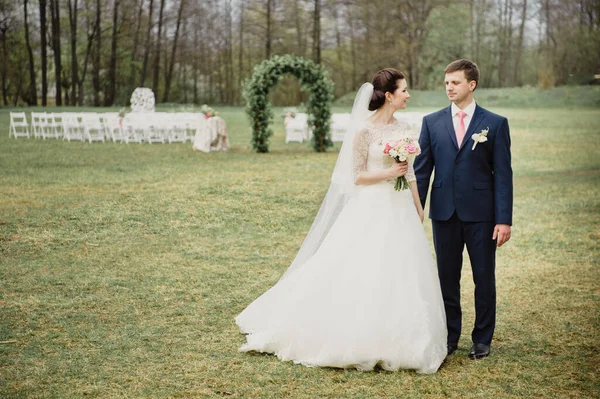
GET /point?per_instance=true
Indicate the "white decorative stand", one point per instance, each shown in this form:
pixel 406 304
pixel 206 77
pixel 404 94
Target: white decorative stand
pixel 142 100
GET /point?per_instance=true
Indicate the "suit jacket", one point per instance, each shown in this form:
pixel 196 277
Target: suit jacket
pixel 476 184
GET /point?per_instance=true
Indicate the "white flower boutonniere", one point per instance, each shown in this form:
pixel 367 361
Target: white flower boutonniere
pixel 480 137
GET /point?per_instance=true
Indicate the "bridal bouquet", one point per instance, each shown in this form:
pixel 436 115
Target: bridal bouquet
pixel 402 150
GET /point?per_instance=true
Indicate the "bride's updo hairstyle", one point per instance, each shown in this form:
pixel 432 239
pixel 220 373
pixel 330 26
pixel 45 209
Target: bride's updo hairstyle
pixel 384 81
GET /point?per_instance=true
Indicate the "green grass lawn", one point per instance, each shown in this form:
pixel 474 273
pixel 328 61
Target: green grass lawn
pixel 122 268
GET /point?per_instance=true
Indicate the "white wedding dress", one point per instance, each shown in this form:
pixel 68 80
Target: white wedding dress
pixel 370 295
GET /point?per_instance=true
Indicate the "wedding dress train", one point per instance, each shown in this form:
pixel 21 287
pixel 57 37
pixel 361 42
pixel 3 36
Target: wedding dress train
pixel 370 295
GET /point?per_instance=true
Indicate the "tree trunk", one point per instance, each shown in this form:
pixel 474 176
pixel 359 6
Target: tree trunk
pixel 158 42
pixel 31 96
pixel 55 12
pixel 241 44
pixel 135 44
pixel 317 32
pixel 90 43
pixel 353 56
pixel 109 99
pixel 229 74
pixel 3 65
pixel 339 49
pixel 517 70
pixel 147 46
pixel 299 33
pixel 98 43
pixel 74 66
pixel 173 51
pixel 268 38
pixel 44 49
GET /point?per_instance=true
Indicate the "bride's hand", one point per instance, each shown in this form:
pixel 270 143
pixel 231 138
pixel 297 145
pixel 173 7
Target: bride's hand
pixel 398 169
pixel 421 215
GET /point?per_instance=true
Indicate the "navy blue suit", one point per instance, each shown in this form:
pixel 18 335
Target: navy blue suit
pixel 472 191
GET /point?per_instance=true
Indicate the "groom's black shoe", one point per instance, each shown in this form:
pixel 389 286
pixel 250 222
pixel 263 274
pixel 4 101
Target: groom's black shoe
pixel 451 349
pixel 479 351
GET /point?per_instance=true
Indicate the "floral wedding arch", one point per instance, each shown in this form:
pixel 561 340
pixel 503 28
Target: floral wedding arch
pixel 313 78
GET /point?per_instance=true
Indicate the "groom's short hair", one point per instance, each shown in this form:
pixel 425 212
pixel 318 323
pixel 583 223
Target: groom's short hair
pixel 469 67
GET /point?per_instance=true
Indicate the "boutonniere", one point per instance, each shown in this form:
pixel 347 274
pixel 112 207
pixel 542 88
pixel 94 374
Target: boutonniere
pixel 480 137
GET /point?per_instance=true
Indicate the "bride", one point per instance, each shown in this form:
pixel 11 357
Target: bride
pixel 363 290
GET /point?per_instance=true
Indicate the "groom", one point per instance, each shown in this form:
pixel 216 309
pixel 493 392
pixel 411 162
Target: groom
pixel 471 199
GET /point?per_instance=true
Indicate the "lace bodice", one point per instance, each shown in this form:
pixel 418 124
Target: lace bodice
pixel 367 151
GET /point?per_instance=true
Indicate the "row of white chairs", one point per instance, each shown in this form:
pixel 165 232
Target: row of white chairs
pixel 297 130
pixel 156 127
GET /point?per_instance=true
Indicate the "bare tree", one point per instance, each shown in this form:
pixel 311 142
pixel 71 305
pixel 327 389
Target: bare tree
pixel 97 54
pixel 7 23
pixel 31 97
pixel 44 49
pixel 317 32
pixel 519 49
pixel 147 44
pixel 109 99
pixel 173 51
pixel 269 31
pixel 138 26
pixel 55 18
pixel 158 44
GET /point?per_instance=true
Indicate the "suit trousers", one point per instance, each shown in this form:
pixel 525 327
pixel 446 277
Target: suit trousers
pixel 450 237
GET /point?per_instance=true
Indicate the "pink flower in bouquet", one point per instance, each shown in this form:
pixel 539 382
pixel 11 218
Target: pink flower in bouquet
pixel 389 146
pixel 411 148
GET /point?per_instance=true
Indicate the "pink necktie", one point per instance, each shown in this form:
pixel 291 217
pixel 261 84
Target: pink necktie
pixel 460 132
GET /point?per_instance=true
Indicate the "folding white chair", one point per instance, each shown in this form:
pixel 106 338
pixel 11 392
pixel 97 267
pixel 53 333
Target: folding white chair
pixel 158 130
pixel 73 128
pixel 93 127
pixel 54 125
pixel 18 125
pixel 38 123
pixel 339 125
pixel 190 123
pixel 113 127
pixel 178 128
pixel 134 126
pixel 297 129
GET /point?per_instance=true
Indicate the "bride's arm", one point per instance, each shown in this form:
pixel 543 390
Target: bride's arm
pixel 415 194
pixel 360 150
pixel 414 189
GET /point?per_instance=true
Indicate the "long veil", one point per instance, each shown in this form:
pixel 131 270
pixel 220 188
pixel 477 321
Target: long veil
pixel 342 183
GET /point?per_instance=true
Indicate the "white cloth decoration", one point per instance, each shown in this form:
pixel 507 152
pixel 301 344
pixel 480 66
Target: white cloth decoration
pixel 142 100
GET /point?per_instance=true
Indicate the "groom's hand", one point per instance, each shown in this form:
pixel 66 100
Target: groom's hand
pixel 502 233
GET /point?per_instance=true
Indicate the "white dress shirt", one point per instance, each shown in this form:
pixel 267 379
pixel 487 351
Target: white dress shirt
pixel 469 110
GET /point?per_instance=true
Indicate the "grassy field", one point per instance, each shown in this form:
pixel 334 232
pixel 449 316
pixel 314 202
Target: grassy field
pixel 122 268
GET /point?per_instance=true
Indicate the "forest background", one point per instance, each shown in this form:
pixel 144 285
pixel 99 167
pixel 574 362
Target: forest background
pixel 96 52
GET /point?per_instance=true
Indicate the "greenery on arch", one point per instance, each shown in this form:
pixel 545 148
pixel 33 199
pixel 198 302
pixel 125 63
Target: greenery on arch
pixel 313 78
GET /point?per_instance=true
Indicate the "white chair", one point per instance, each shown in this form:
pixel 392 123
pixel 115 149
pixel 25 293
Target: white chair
pixel 178 130
pixel 297 129
pixel 18 125
pixel 113 129
pixel 93 127
pixel 190 122
pixel 54 125
pixel 159 126
pixel 73 128
pixel 38 124
pixel 339 125
pixel 134 126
